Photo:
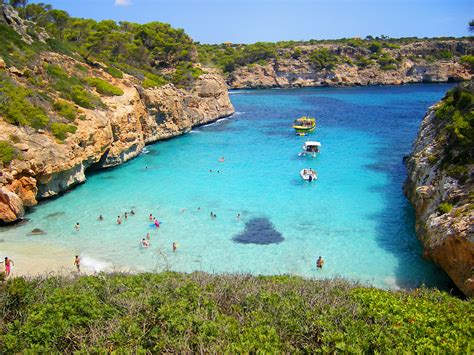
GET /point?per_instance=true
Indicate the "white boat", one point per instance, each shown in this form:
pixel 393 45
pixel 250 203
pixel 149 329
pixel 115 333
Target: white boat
pixel 310 147
pixel 308 174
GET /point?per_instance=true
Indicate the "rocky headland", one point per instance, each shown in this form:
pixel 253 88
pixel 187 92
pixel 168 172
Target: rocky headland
pixel 440 186
pixel 345 65
pixel 104 136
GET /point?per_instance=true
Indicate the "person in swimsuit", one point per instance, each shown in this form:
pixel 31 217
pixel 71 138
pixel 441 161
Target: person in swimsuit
pixel 175 246
pixel 148 236
pixel 132 212
pixel 100 218
pixel 78 227
pixel 119 220
pixel 77 262
pixel 157 223
pixel 319 263
pixel 126 215
pixel 8 266
pixel 145 243
pixel 151 217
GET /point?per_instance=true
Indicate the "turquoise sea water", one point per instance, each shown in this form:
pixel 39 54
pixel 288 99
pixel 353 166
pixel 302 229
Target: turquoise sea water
pixel 355 215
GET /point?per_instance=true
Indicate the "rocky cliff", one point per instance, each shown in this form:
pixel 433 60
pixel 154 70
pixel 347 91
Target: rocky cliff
pixel 411 63
pixel 442 194
pixel 105 137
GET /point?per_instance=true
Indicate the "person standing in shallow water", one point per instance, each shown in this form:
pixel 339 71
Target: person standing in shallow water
pixel 8 266
pixel 119 220
pixel 78 227
pixel 320 263
pixel 77 262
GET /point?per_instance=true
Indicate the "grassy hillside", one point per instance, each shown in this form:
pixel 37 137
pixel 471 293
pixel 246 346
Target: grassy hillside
pixel 172 312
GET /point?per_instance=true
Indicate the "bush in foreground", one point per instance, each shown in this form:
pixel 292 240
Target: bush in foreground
pixel 172 312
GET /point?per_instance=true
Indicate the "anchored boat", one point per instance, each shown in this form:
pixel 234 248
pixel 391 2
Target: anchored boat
pixel 310 147
pixel 308 174
pixel 304 125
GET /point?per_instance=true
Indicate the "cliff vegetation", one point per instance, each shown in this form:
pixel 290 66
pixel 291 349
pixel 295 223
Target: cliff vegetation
pixel 172 312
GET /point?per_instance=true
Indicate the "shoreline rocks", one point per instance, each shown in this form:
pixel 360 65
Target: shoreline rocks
pixel 104 138
pixel 447 237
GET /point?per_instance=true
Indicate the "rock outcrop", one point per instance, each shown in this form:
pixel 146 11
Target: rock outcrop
pixel 447 236
pixel 104 137
pixel 415 64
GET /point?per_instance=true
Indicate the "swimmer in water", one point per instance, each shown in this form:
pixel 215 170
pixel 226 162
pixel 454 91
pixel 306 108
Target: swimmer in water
pixel 132 212
pixel 77 263
pixel 157 223
pixel 221 160
pixel 199 208
pixel 100 218
pixel 151 217
pixel 119 220
pixel 78 227
pixel 320 263
pixel 238 215
pixel 145 243
pixel 175 246
pixel 148 236
pixel 182 210
pixel 126 215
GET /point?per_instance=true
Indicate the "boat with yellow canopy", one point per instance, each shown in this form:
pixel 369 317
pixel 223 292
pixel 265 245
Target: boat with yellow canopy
pixel 304 125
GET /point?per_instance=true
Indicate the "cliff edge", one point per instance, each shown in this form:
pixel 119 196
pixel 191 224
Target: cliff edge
pixel 61 114
pixel 440 185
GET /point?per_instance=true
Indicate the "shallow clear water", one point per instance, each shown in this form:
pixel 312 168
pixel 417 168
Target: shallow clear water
pixel 355 215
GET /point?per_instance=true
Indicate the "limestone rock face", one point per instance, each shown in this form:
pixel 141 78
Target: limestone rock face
pixel 11 206
pixel 9 16
pixel 448 238
pixel 104 137
pixel 414 66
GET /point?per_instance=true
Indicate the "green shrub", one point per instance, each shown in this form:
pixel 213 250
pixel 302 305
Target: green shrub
pixel 60 130
pixel 65 109
pixel 80 68
pixel 84 98
pixel 323 59
pixel 14 138
pixel 458 172
pixel 103 87
pixel 444 54
pixel 389 67
pixel 468 60
pixel 363 62
pixel 114 72
pixel 172 312
pixel 445 207
pixel 375 47
pixel 7 152
pixel 16 107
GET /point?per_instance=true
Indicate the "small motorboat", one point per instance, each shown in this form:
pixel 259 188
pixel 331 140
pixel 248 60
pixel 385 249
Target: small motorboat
pixel 304 125
pixel 308 174
pixel 310 147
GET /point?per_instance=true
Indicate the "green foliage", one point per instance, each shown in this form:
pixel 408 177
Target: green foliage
pixel 468 60
pixel 363 62
pixel 103 87
pixel 7 152
pixel 114 72
pixel 65 109
pixel 445 207
pixel 323 59
pixel 185 74
pixel 386 62
pixel 296 53
pixel 84 98
pixel 152 80
pixel 375 47
pixel 171 312
pixel 444 54
pixel 16 107
pixel 60 130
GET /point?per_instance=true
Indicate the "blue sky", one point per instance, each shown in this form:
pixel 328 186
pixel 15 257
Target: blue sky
pixel 248 21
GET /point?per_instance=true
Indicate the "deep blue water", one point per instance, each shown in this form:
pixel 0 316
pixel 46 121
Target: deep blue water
pixel 355 215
